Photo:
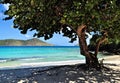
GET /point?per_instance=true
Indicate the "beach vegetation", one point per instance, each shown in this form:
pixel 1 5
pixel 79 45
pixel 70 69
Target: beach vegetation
pixel 72 18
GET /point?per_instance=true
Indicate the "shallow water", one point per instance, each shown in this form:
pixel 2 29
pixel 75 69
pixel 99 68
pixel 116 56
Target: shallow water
pixel 15 55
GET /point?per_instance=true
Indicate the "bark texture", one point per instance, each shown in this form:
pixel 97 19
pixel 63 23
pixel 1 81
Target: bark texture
pixel 91 59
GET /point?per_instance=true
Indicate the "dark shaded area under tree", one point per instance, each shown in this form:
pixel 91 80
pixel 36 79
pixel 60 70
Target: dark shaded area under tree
pixel 110 48
pixel 60 74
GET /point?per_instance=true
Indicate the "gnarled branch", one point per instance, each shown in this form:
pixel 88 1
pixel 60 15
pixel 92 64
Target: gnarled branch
pixel 82 40
pixel 103 39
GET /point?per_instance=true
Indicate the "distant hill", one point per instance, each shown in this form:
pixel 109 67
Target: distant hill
pixel 30 42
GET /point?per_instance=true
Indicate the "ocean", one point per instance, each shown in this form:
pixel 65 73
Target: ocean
pixel 16 55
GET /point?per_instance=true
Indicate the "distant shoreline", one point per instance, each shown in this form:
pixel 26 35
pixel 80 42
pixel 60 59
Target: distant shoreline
pixel 29 42
pixel 34 46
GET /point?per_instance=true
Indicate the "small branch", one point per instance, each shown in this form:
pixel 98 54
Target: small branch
pixel 102 40
pixel 81 30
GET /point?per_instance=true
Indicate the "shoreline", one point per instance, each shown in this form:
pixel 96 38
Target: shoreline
pixel 115 59
pixel 63 72
pixel 43 64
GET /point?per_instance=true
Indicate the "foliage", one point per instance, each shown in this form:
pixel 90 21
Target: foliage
pixel 47 17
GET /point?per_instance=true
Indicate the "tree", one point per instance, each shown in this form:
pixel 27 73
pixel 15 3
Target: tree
pixel 73 18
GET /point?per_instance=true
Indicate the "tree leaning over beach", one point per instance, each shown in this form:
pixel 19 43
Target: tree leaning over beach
pixel 73 18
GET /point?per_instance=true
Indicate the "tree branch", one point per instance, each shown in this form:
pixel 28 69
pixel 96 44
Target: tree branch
pixel 82 40
pixel 102 40
pixel 81 30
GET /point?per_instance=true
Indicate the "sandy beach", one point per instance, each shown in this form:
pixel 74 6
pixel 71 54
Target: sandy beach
pixel 62 72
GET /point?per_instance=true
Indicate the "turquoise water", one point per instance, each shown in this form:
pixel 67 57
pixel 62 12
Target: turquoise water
pixel 18 55
pixel 39 53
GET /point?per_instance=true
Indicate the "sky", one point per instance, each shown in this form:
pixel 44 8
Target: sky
pixel 8 32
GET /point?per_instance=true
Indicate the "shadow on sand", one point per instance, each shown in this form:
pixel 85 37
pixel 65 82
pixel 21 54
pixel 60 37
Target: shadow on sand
pixel 60 74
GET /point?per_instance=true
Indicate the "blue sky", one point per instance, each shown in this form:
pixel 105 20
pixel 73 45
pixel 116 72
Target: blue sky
pixel 8 32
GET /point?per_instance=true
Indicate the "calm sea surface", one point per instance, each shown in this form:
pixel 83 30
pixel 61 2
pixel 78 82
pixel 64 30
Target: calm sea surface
pixel 44 53
pixel 27 54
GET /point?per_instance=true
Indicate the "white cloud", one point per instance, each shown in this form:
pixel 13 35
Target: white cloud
pixel 27 36
pixel 6 6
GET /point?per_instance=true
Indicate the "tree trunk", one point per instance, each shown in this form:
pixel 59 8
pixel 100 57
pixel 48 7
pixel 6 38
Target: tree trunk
pixel 91 59
pixel 83 45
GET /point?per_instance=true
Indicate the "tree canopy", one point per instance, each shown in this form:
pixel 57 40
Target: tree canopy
pixel 47 17
pixel 73 18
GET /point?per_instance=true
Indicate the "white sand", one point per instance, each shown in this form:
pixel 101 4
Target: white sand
pixel 36 73
pixel 113 59
pixel 43 64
